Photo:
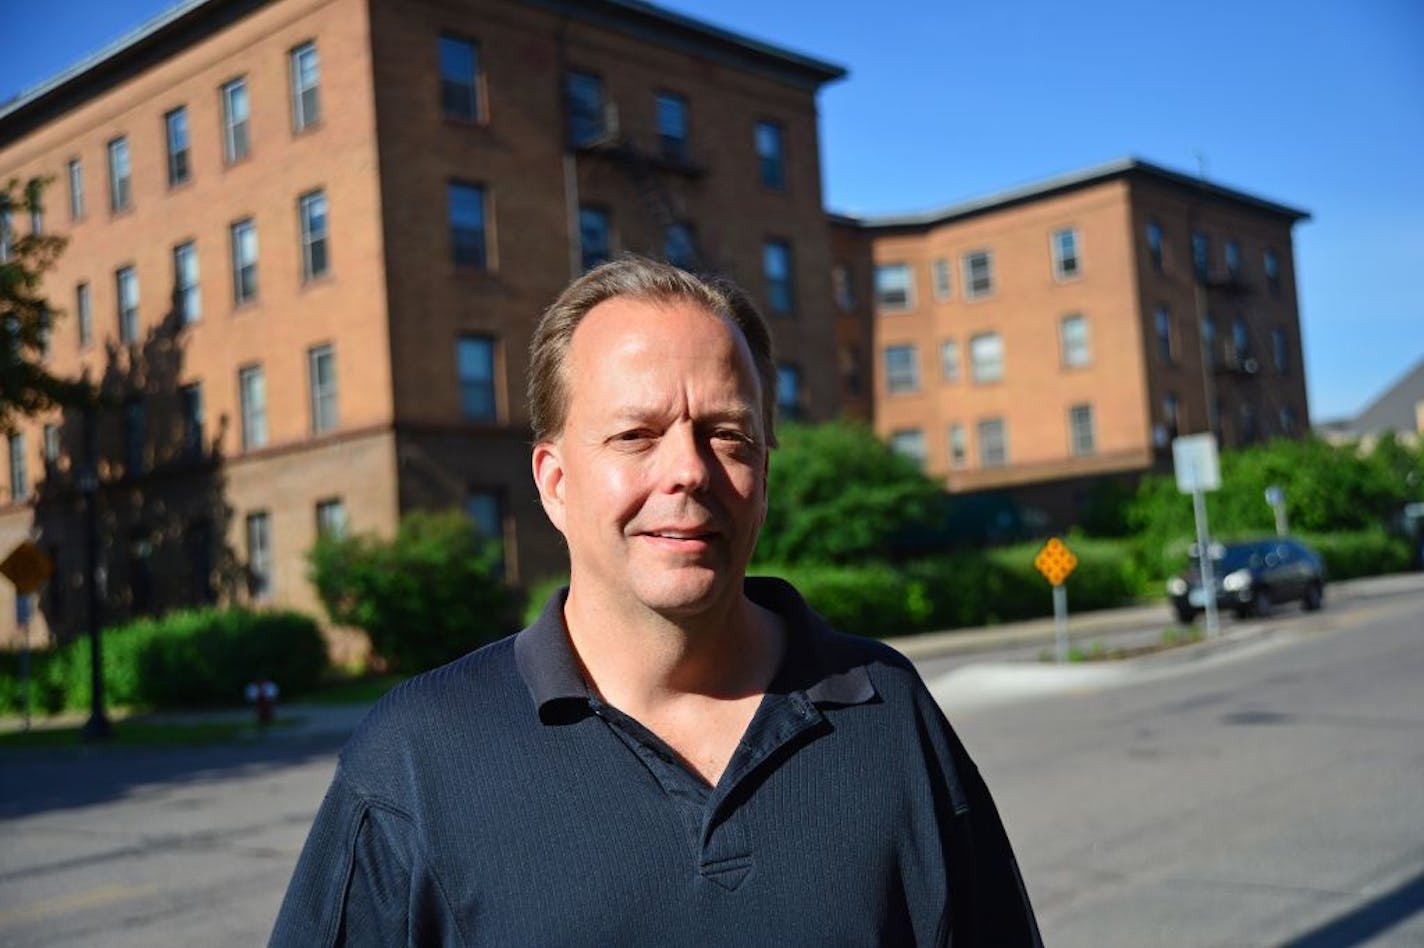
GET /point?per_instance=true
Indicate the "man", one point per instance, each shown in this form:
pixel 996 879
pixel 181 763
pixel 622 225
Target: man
pixel 673 754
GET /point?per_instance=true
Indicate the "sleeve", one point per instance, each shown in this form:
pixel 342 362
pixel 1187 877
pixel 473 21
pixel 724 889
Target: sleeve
pixel 990 904
pixel 352 884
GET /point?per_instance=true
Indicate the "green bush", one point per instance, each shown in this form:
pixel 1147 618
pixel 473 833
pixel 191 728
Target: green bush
pixel 538 594
pixel 1360 553
pixel 426 597
pixel 203 658
pixel 875 599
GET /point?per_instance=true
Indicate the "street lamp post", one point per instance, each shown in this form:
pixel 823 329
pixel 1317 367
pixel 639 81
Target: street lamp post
pixel 98 727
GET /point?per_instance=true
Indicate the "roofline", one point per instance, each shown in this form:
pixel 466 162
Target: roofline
pixel 190 20
pixel 1098 174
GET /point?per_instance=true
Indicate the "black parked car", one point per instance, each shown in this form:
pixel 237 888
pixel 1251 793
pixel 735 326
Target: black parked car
pixel 1251 577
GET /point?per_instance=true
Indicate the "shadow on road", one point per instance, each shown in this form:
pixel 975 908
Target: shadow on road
pixel 1366 921
pixel 41 780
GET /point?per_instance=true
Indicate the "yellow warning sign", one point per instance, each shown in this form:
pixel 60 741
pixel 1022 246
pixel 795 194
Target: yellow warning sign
pixel 28 567
pixel 1055 561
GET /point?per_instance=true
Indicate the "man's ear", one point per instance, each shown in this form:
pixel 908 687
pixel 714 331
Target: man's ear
pixel 549 478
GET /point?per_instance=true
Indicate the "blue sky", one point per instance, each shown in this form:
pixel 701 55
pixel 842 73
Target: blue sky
pixel 1318 104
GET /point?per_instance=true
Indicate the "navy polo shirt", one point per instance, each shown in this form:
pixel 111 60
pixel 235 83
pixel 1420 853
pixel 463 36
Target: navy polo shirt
pixel 497 801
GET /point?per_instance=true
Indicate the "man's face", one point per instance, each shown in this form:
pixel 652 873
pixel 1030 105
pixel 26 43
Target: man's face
pixel 658 479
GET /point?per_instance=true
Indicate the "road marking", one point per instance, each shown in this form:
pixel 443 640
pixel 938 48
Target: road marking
pixel 89 898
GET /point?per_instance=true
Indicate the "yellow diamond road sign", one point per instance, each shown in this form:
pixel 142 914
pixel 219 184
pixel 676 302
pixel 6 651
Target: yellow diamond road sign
pixel 1055 561
pixel 28 567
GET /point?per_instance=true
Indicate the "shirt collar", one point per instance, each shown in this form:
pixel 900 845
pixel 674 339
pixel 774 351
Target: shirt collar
pixel 819 661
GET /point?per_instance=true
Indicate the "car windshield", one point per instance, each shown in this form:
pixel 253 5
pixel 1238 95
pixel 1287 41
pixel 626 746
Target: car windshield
pixel 1239 557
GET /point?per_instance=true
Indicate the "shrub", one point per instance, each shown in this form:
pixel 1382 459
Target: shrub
pixel 876 599
pixel 203 658
pixel 539 593
pixel 1360 553
pixel 425 597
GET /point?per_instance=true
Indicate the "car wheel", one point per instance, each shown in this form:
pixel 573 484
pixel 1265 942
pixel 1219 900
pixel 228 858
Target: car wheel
pixel 1314 596
pixel 1260 604
pixel 1185 614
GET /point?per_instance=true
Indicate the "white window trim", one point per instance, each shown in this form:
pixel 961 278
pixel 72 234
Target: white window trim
pixel 967 281
pixel 1058 274
pixel 909 303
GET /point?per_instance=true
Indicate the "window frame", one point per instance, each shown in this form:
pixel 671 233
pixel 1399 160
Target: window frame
pixel 941 278
pixel 323 396
pixel 1068 346
pixel 590 255
pixel 466 383
pixel 236 130
pixel 187 296
pixel 689 236
pixel 949 361
pixel 585 128
pixel 999 443
pixel 905 379
pixel 780 288
pixel 314 245
pixel 473 84
pixel 1082 441
pixel 177 142
pixel 252 406
pixel 979 368
pixel 1155 252
pixel 771 161
pixel 881 305
pixel 1163 332
pixel 790 410
pixel 261 578
pixel 478 237
pixel 193 416
pixel 672 147
pixel 301 121
pixel 957 439
pixel 126 277
pixel 19 468
pixel 331 518
pixel 970 289
pixel 84 313
pixel 244 272
pixel 1063 258
pixel 74 171
pixel 120 175
pixel 900 436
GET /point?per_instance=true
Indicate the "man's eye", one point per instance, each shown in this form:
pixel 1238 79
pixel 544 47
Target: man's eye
pixel 730 434
pixel 634 435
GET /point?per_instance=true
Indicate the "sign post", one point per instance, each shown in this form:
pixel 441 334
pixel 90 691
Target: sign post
pixel 1276 497
pixel 1198 471
pixel 29 568
pixel 1055 561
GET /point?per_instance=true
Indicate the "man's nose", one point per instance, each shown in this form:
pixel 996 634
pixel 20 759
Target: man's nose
pixel 684 462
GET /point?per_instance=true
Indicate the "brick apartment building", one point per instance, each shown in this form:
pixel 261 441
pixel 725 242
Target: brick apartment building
pixel 308 240
pixel 1049 336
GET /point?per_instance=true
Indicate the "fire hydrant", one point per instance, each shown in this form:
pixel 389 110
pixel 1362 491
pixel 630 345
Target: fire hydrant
pixel 262 695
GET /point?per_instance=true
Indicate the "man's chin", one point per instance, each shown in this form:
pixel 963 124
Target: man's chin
pixel 689 591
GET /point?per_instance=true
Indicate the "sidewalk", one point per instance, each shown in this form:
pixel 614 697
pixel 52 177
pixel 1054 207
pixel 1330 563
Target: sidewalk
pixel 1153 616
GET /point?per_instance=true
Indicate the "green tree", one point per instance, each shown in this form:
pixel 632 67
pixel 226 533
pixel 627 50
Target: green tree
pixel 840 495
pixel 26 386
pixel 425 597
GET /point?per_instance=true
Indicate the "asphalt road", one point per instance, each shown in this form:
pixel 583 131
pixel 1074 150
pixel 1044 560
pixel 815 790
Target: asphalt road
pixel 1267 794
pixel 1251 794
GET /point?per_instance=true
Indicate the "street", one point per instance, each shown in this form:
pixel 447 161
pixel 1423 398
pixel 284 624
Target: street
pixel 1264 793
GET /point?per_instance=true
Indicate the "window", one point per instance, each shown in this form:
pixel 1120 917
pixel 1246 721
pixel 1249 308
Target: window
pixel 672 126
pixel 135 435
pixel 191 397
pixel 993 443
pixel 595 239
pixel 1154 244
pixel 940 271
pixel 680 246
pixel 1233 259
pixel 851 365
pixel 978 274
pixel 1249 431
pixel 51 445
pixel 1240 341
pixel 485 508
pixel 84 317
pixel 311 209
pixel 76 189
pixel 259 555
pixel 958 446
pixel 305 72
pixel 776 267
pixel 119 185
pixel 1074 342
pixel 1171 414
pixel 986 358
pixel 474 362
pixel 949 360
pixel 321 377
pixel 1080 430
pixel 771 155
pixel 7 233
pixel 126 283
pixel 459 79
pixel 466 208
pixel 894 287
pixel 586 112
pixel 36 216
pixel 1065 253
pixel 1287 420
pixel 19 477
pixel 1162 322
pixel 331 519
pixel 788 390
pixel 175 129
pixel 1201 255
pixel 186 297
pixel 842 288
pixel 252 394
pixel 1280 354
pixel 1272 266
pixel 1208 327
pixel 909 443
pixel 244 261
pixel 902 370
pixel 234 121
pixel 46 333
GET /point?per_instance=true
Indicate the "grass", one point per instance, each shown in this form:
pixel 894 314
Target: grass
pixel 1172 637
pixel 142 734
pixel 361 690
